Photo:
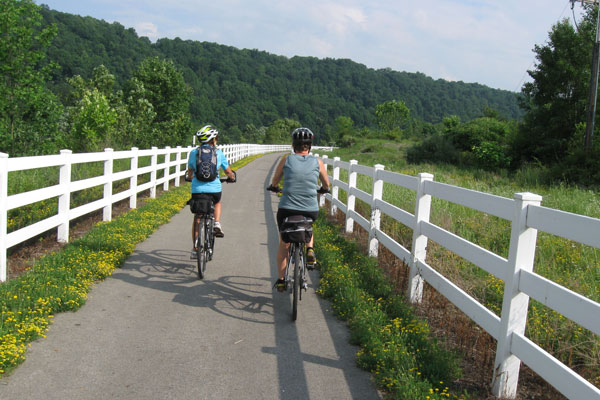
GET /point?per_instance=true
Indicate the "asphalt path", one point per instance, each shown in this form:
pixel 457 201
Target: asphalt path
pixel 152 330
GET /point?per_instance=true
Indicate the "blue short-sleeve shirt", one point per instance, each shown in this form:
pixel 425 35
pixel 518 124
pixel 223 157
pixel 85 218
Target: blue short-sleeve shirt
pixel 207 187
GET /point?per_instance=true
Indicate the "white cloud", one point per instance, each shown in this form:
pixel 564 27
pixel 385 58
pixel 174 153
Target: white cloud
pixel 339 19
pixel 147 29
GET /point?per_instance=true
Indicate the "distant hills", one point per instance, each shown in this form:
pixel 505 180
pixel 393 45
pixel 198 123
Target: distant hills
pixel 233 88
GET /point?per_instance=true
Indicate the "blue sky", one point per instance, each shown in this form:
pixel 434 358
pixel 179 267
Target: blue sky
pixel 485 41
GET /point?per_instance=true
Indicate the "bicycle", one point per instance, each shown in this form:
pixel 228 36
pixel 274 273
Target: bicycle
pixel 203 208
pixel 297 231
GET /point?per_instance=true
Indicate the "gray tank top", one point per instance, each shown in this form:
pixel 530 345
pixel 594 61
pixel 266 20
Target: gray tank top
pixel 300 176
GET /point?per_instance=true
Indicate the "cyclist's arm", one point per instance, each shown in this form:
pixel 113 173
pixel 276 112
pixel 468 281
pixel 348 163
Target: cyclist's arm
pixel 278 174
pixel 323 175
pixel 229 173
pixel 189 174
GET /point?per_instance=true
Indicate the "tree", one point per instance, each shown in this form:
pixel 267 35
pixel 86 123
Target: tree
pixel 392 116
pixel 280 131
pixel 29 113
pixel 164 88
pixel 94 122
pixel 555 101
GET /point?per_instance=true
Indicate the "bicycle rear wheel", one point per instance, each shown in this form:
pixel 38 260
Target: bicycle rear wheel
pixel 202 250
pixel 296 287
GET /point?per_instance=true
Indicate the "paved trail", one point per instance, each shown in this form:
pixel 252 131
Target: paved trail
pixel 154 331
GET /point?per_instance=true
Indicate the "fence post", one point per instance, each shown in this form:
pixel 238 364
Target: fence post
pixel 177 166
pixel 64 200
pixel 154 159
pixel 419 241
pixel 134 177
pixel 322 198
pixel 336 189
pixel 166 169
pixel 108 171
pixel 377 194
pixel 3 213
pixel 351 198
pixel 521 255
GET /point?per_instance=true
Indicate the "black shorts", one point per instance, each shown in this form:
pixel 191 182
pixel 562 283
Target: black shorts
pixel 216 197
pixel 283 213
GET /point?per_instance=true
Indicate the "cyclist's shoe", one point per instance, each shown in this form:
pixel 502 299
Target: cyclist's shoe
pixel 218 230
pixel 194 254
pixel 311 260
pixel 280 285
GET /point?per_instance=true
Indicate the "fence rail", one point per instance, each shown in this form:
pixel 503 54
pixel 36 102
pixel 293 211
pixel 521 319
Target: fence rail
pixel 526 216
pixel 173 168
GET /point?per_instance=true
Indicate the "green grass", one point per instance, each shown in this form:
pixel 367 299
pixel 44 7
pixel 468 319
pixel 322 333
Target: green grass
pixel 406 362
pixel 570 264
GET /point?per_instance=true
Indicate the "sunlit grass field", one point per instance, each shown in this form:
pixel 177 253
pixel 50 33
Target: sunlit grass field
pixel 568 263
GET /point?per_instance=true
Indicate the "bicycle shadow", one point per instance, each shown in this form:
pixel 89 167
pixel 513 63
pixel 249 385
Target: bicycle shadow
pixel 231 296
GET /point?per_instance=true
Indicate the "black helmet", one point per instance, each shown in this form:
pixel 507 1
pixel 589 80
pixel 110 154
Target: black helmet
pixel 302 136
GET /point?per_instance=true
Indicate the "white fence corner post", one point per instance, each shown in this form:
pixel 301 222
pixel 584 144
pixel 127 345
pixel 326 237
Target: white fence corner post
pixel 108 171
pixel 377 194
pixel 419 241
pixel 521 255
pixel 167 168
pixel 336 189
pixel 153 163
pixel 351 198
pixel 3 214
pixel 322 198
pixel 134 177
pixel 177 166
pixel 64 200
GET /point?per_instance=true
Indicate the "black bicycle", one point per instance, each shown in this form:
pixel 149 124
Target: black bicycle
pixel 203 208
pixel 297 231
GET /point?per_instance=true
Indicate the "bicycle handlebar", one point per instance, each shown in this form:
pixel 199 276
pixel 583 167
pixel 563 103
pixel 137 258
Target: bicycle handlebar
pixel 277 189
pixel 274 189
pixel 228 179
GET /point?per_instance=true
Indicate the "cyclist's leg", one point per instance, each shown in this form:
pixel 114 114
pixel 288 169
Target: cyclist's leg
pixel 195 229
pixel 311 259
pixel 282 258
pixel 217 214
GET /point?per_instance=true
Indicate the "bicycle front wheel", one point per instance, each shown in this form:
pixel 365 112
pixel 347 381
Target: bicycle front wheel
pixel 296 287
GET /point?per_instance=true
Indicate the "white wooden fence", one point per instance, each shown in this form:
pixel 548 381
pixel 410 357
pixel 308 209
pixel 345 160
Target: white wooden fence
pixel 527 216
pixel 66 185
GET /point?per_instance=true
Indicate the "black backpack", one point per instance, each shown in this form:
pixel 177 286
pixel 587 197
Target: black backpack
pixel 206 163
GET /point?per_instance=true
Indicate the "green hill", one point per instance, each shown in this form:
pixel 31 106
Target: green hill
pixel 233 87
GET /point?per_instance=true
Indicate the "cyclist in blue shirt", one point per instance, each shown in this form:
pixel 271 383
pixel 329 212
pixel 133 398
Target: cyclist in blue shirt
pixel 208 137
pixel 300 172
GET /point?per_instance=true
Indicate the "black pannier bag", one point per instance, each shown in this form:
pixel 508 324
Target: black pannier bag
pixel 296 228
pixel 200 205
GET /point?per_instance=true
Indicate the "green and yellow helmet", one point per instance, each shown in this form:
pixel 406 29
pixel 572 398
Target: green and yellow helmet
pixel 207 133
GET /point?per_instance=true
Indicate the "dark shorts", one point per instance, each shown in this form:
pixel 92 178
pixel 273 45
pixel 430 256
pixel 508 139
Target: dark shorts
pixel 283 213
pixel 216 197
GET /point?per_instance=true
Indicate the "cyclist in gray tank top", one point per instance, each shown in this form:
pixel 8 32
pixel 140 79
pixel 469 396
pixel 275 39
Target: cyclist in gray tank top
pixel 300 183
pixel 300 172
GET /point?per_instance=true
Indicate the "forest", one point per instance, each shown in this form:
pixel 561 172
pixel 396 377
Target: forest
pixel 233 88
pixel 85 84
